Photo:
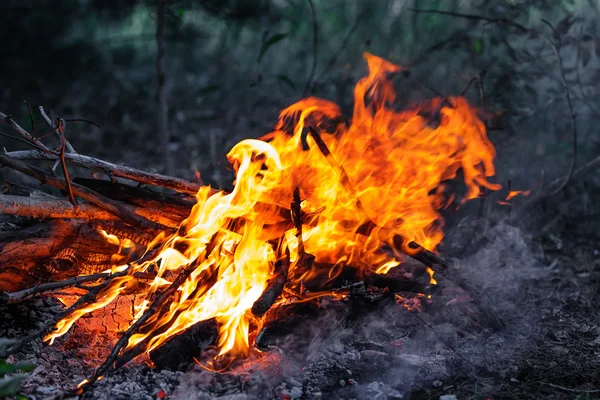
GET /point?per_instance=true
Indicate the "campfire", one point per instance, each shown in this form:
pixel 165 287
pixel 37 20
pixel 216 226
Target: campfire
pixel 319 206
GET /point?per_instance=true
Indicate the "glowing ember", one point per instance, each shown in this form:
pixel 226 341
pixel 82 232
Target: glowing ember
pixel 233 246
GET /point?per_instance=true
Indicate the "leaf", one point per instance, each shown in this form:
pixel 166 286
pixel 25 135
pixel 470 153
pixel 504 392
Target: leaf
pixel 207 90
pixel 586 55
pixel 9 386
pixel 477 46
pixel 180 12
pixel 10 368
pixel 285 79
pixel 270 42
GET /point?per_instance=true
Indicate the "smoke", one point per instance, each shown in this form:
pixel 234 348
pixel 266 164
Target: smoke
pixel 381 350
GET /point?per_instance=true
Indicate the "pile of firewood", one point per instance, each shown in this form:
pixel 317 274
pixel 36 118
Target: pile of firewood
pixel 49 243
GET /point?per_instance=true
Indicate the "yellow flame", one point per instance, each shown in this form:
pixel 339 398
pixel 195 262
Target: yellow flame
pixel 396 162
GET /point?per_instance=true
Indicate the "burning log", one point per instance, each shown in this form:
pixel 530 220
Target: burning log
pixel 51 250
pixel 111 170
pixel 105 203
pixel 274 287
pixel 53 208
pixel 222 263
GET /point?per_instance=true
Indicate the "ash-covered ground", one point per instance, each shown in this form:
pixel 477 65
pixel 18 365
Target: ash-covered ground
pixel 542 285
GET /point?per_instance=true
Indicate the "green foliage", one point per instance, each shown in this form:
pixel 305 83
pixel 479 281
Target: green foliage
pixel 11 385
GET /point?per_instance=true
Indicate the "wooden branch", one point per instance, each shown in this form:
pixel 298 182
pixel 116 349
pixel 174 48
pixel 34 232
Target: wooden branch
pixel 63 144
pixel 80 303
pixel 60 249
pixel 26 135
pixel 112 170
pixel 206 281
pixel 176 206
pixel 156 304
pixel 48 250
pixel 274 287
pixel 110 205
pixel 50 207
pixel 15 297
pixel 59 129
pixel 550 189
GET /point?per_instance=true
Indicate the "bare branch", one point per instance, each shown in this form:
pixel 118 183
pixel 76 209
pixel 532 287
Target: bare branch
pixel 50 207
pixel 103 202
pixel 24 134
pixel 551 189
pixel 112 170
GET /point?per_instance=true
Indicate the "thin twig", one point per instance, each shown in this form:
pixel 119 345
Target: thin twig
pixel 21 295
pixel 82 120
pixel 31 118
pixel 568 389
pixel 112 170
pixel 548 192
pixel 81 302
pixel 63 144
pixel 24 134
pixel 313 69
pixel 15 297
pixel 55 128
pixel 502 21
pixel 571 112
pixel 18 139
pixel 555 49
pixel 296 208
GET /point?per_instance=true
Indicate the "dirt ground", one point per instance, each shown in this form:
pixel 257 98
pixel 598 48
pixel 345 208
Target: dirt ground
pixel 542 283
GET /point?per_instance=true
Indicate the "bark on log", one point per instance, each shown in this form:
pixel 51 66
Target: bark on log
pixel 51 207
pixel 112 170
pixel 59 249
pixel 177 206
pixel 80 191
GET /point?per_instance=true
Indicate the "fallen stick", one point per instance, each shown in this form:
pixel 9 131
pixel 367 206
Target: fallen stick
pixel 549 190
pixel 89 297
pixel 50 207
pixel 111 170
pixel 156 304
pixel 38 253
pixel 16 297
pixel 26 135
pixel 206 281
pixel 274 287
pixel 80 191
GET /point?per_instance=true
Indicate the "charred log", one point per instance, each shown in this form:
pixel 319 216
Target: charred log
pixel 179 352
pixel 274 287
pixel 58 249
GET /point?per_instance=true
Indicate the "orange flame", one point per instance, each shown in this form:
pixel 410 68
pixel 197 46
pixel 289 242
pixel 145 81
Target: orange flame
pixel 391 162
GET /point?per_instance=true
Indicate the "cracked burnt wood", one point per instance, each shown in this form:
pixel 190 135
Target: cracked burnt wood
pixel 34 252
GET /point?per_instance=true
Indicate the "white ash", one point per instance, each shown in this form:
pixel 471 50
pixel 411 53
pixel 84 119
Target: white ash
pixel 376 350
